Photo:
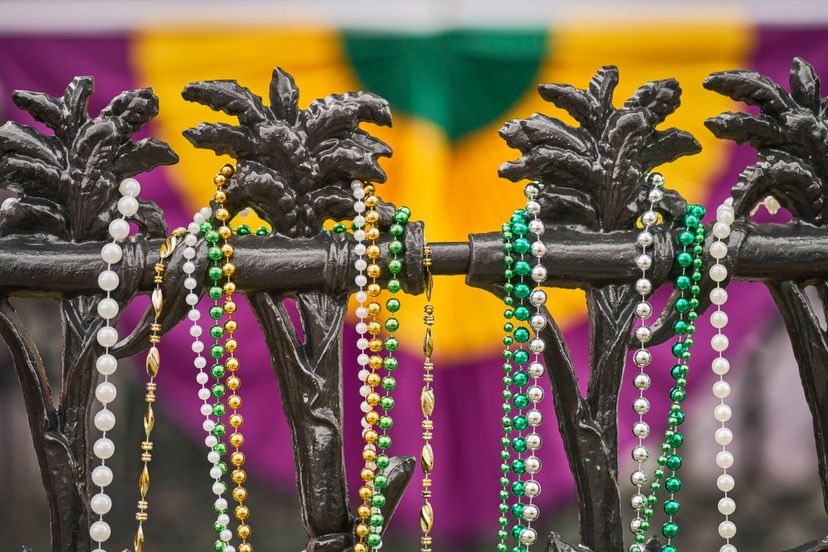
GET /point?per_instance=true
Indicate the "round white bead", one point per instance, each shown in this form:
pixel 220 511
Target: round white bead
pixel 640 454
pixel 198 218
pixel 220 504
pixel 643 334
pixel 725 215
pixel 100 531
pixel 535 393
pixel 101 503
pixel 104 420
pixel 195 330
pixel 190 240
pixel 642 357
pixel 129 187
pixel 641 381
pixel 188 267
pixel 718 296
pixel 533 441
pixel 655 195
pixel 213 457
pixel 645 239
pixel 218 488
pixel 724 459
pixel 194 315
pixel 727 506
pixel 530 190
pixel 362 359
pixel 127 206
pixel 190 283
pixel 638 501
pixel 360 264
pixel 530 512
pixel 203 394
pixel 643 286
pixel 108 308
pixel 361 296
pixel 643 310
pixel 533 464
pixel 722 413
pixel 718 319
pixel 724 548
pixel 107 336
pixel 210 440
pixel 638 478
pixel 106 364
pixel 537 228
pixel 205 410
pixel 360 249
pixel 721 389
pixel 199 362
pixel 657 179
pixel 105 392
pixel 536 370
pixel 725 482
pixel 723 436
pixel 361 280
pixel 537 345
pixel 108 280
pixel 538 322
pixel 193 228
pixel 201 379
pixel 191 299
pixel 720 366
pixel 528 536
pixel 532 488
pixel 641 430
pixel 103 448
pixel 119 229
pixel 102 476
pixel 718 273
pixel 641 405
pixel 727 529
pixel 718 250
pixel 197 346
pixel 534 417
pixel 359 235
pixel 721 230
pixel 533 207
pixel 539 274
pixel 537 298
pixel 215 472
pixel 359 206
pixel 354 185
pixel 226 535
pixel 649 218
pixel 208 425
pixel 635 525
pixel 719 342
pixel 644 262
pixel 112 253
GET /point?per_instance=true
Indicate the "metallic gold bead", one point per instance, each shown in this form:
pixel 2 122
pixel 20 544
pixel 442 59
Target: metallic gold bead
pixel 225 232
pixel 371 436
pixel 369 189
pixel 235 420
pixel 365 493
pixel 228 269
pixel 370 201
pixel 231 325
pixel 375 362
pixel 373 234
pixel 363 511
pixel 372 217
pixel 243 531
pixel 373 290
pixel 374 327
pixel 227 250
pixel 239 477
pixel 373 380
pixel 369 455
pixel 362 529
pixel 373 271
pixel 233 383
pixel 219 180
pixel 234 401
pixel 229 289
pixel 366 474
pixel 372 417
pixel 374 308
pixel 231 363
pixel 239 494
pixel 228 170
pixel 242 512
pixel 231 345
pixel 236 439
pixel 222 214
pixel 245 547
pixel 220 197
pixel 237 458
pixel 372 398
pixel 372 251
pixel 229 306
pixel 359 547
pixel 375 345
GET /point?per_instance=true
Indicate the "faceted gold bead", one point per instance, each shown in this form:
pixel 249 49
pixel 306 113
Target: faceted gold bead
pixel 242 512
pixel 229 289
pixel 239 476
pixel 231 325
pixel 219 180
pixel 369 189
pixel 227 250
pixel 366 474
pixel 234 401
pixel 233 383
pixel 229 306
pixel 222 214
pixel 373 290
pixel 239 494
pixel 373 380
pixel 373 234
pixel 375 362
pixel 362 530
pixel 228 170
pixel 236 439
pixel 372 398
pixel 371 436
pixel 370 201
pixel 372 417
pixel 225 232
pixel 228 269
pixel 235 420
pixel 372 217
pixel 373 271
pixel 363 511
pixel 243 531
pixel 231 345
pixel 220 197
pixel 237 458
pixel 365 493
pixel 359 547
pixel 372 251
pixel 375 345
pixel 374 308
pixel 245 547
pixel 231 363
pixel 374 327
pixel 369 455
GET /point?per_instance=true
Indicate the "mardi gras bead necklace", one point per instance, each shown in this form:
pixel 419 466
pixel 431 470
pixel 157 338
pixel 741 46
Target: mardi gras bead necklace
pixel 153 363
pixel 427 405
pixel 642 356
pixel 106 364
pixel 721 366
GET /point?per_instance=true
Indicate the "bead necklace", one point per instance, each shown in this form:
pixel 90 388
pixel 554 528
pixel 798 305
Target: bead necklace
pixel 642 356
pixel 153 363
pixel 427 405
pixel 690 260
pixel 106 364
pixel 534 417
pixel 721 366
pixel 212 412
pixel 371 398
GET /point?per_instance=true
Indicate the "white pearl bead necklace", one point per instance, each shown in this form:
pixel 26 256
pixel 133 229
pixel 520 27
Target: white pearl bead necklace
pixel 642 356
pixel 219 487
pixel 361 280
pixel 536 369
pixel 721 389
pixel 106 364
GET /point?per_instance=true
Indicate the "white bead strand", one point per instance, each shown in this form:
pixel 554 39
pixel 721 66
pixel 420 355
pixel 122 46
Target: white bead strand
pixel 720 366
pixel 642 356
pixel 219 487
pixel 106 364
pixel 361 280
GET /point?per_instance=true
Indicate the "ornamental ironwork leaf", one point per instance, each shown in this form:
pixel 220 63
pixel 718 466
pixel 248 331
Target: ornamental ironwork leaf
pixel 67 183
pixel 790 135
pixel 295 166
pixel 592 173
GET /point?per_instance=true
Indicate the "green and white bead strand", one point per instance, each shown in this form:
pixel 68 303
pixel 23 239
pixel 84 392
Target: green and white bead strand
pixel 721 366
pixel 642 357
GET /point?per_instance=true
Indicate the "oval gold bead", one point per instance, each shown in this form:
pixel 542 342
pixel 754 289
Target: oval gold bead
pixel 144 481
pixel 427 458
pixel 428 343
pixel 153 361
pixel 149 420
pixel 427 401
pixel 426 518
pixel 157 301
pixel 139 540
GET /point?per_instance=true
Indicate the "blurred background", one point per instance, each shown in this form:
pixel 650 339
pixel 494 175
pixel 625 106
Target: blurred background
pixel 453 72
